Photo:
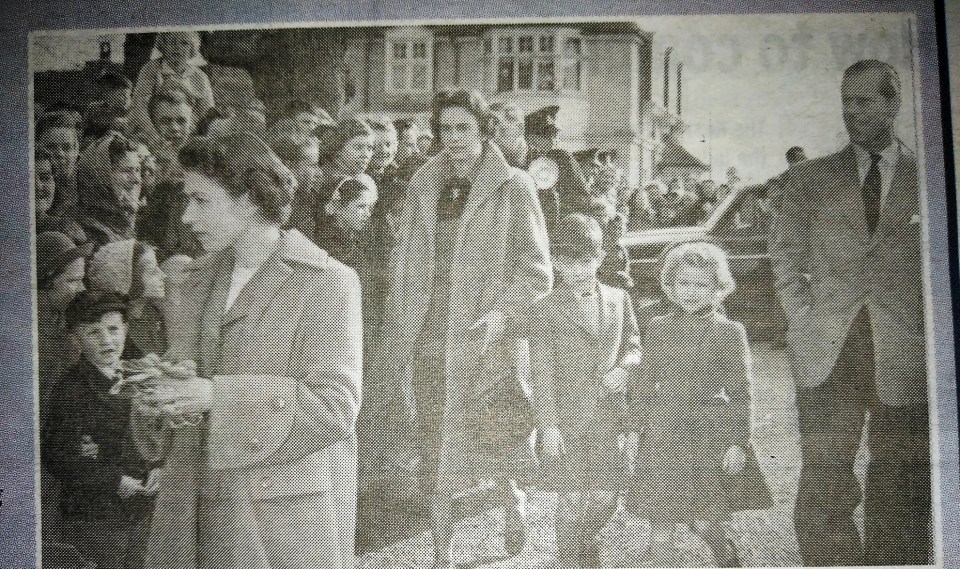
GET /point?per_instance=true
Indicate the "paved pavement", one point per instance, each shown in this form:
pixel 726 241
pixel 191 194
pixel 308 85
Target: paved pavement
pixel 399 540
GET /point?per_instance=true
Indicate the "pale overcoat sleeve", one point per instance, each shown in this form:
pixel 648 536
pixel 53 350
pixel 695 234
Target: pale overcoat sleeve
pixel 143 88
pixel 273 419
pixel 789 242
pixel 542 365
pixel 532 274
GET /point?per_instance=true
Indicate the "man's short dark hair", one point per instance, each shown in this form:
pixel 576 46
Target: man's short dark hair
pixel 119 148
pixel 297 106
pixel 380 125
pixel 796 154
pixel 113 81
pixel 889 80
pixel 57 119
pixel 169 96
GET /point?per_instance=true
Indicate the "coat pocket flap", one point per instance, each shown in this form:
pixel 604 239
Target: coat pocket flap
pixel 309 475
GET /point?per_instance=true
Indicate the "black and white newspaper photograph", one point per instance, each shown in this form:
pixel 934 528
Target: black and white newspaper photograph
pixel 646 291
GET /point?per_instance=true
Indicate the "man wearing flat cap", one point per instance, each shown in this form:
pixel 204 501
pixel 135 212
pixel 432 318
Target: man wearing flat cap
pixel 561 186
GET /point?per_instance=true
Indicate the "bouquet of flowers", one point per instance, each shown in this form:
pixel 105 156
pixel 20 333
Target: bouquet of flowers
pixel 153 383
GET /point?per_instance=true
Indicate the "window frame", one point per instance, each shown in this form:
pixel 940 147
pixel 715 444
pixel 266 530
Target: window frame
pixel 412 40
pixel 530 52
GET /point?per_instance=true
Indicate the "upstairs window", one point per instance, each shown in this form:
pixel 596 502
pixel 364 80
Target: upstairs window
pixel 409 62
pixel 528 61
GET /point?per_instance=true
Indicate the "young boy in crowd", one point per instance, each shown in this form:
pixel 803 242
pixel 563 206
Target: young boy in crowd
pixel 584 344
pixel 105 487
pixel 111 111
pixel 159 220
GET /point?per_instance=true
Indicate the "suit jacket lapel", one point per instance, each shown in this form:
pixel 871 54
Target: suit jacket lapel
pixel 849 191
pixel 898 206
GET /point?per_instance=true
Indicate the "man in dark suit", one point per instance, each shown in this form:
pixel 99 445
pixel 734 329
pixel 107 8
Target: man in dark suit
pixel 846 252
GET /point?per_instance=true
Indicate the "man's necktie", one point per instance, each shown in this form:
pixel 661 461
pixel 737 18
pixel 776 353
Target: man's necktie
pixel 871 193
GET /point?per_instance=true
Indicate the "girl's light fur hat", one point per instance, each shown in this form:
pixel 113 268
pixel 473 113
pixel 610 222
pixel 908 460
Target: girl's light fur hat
pixel 111 267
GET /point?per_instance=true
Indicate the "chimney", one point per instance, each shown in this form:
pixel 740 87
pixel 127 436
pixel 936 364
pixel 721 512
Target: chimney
pixel 666 77
pixel 680 89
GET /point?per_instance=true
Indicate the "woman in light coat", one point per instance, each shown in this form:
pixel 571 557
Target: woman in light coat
pixel 471 259
pixel 267 480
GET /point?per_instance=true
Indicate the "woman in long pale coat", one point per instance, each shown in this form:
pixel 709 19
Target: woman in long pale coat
pixel 268 479
pixel 471 259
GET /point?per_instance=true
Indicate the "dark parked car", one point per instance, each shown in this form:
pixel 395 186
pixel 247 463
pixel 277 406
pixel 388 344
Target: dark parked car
pixel 739 225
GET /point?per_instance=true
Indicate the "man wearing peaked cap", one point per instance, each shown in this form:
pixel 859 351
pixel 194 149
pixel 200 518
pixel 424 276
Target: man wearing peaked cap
pixel 560 182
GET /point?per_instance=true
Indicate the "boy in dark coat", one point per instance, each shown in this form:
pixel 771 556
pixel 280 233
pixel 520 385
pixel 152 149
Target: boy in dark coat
pixel 105 492
pixel 584 342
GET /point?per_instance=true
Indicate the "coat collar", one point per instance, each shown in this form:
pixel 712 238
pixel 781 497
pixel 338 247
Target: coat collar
pixel 293 249
pixel 491 172
pixel 607 305
pixel 897 204
pixel 263 287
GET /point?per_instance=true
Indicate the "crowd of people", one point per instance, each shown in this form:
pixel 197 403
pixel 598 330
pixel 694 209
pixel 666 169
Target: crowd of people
pixel 254 283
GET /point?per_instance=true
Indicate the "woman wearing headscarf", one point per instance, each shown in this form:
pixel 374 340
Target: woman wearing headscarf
pixel 264 477
pixel 109 181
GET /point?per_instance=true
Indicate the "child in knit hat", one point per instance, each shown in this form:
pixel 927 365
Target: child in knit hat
pixel 130 268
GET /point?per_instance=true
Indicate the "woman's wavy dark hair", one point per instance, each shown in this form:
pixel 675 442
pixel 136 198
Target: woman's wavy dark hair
pixel 245 165
pixel 472 101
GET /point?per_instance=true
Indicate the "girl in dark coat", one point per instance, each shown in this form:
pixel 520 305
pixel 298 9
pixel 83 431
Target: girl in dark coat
pixel 693 403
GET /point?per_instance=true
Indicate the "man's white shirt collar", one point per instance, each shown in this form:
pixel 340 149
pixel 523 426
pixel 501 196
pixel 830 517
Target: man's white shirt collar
pixel 886 165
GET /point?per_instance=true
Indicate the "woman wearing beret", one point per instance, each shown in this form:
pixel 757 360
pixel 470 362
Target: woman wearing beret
pixel 267 479
pixel 470 260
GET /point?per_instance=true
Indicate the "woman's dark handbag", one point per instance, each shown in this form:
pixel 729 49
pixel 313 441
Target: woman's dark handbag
pixel 505 416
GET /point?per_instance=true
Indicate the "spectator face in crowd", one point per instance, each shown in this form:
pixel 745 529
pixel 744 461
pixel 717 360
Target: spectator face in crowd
pixel 178 48
pixel 101 341
pixel 116 92
pixel 508 133
pixel 172 117
pixel 301 155
pixel 44 183
pixel 349 146
pixel 352 202
pixel 61 141
pixel 795 155
pixel 235 186
pixel 384 145
pixel 126 174
pixel 60 269
pixel 68 284
pixel 152 277
pixel 463 123
pixel 407 134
